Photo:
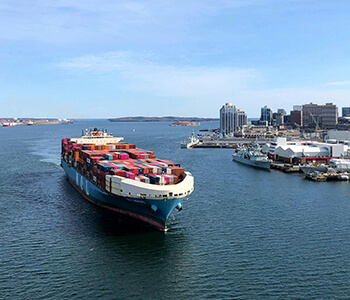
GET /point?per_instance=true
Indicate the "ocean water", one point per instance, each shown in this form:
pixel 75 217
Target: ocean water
pixel 244 233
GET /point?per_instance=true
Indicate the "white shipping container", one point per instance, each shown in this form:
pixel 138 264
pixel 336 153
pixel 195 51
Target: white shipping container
pixel 146 179
pixel 116 178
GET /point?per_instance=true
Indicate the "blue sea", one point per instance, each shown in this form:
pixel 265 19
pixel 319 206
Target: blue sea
pixel 244 233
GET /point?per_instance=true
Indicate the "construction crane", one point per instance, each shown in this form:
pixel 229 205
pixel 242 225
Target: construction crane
pixel 315 121
pixel 320 132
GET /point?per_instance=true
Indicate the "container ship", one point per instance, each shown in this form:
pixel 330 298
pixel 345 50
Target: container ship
pixel 125 179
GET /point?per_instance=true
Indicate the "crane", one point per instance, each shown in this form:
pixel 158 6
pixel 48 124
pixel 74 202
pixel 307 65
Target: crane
pixel 315 121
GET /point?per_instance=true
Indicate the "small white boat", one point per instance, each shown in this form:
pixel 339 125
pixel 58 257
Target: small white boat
pixel 191 141
pixel 340 164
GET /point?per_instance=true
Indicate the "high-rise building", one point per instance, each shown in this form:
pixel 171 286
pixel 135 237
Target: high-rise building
pixel 227 119
pixel 266 114
pixel 296 117
pixel 281 111
pixel 297 107
pixel 242 118
pixel 345 112
pixel 279 119
pixel 321 116
pixel 231 119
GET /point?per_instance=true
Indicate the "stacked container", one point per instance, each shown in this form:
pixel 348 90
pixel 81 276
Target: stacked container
pixel 121 159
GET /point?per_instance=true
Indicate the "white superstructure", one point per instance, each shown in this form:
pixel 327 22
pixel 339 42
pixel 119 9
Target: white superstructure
pixel 98 137
pixel 125 187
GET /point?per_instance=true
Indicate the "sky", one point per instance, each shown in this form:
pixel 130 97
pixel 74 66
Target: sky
pixel 116 58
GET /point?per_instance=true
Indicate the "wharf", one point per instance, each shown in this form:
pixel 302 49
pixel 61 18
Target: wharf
pixel 211 145
pixel 314 176
pixel 287 168
pixel 229 143
pixel 322 177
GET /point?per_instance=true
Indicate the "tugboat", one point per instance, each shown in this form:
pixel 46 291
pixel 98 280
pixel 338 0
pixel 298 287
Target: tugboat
pixel 191 141
pixel 252 156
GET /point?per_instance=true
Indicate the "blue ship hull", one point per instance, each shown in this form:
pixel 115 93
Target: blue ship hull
pixel 134 207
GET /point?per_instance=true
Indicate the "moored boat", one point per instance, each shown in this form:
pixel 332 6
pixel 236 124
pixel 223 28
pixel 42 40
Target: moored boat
pixel 252 156
pixel 311 168
pixel 11 124
pixel 190 142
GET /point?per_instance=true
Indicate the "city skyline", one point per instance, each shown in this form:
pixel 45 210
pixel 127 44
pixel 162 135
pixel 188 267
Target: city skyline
pixel 182 58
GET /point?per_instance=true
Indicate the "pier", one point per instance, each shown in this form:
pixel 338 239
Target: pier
pixel 229 143
pixel 286 168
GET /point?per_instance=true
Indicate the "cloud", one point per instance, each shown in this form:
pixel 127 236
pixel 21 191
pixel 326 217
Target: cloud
pixel 339 83
pixel 88 20
pixel 142 74
pixel 68 21
pixel 197 90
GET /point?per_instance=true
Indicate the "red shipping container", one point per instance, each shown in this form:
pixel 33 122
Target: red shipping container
pixel 130 175
pixel 119 173
pixel 177 171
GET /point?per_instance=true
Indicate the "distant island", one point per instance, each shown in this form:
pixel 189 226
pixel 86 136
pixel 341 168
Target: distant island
pixel 163 119
pixel 185 123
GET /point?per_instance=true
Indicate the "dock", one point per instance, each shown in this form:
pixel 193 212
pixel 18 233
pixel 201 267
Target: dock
pixel 322 177
pixel 286 168
pixel 229 142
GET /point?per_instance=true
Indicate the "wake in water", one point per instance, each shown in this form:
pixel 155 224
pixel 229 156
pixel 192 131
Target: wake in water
pixel 54 162
pixel 47 150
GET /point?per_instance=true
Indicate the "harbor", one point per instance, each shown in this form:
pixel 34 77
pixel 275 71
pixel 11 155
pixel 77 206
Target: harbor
pixel 309 157
pixel 311 140
pixel 174 150
pixel 244 209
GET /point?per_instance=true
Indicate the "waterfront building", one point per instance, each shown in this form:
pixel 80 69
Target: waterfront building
pixel 281 111
pixel 338 135
pixel 345 112
pixel 320 116
pixel 279 119
pixel 280 116
pixel 286 119
pixel 296 117
pixel 231 119
pixel 259 123
pixel 257 131
pixel 228 122
pixel 298 107
pixel 242 118
pixel 297 150
pixel 266 114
